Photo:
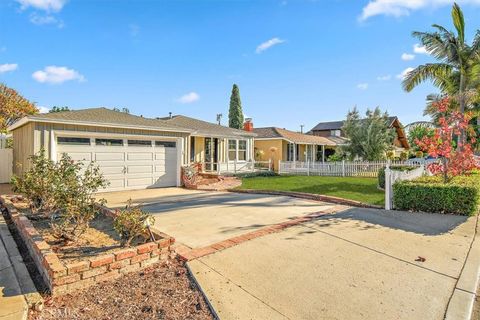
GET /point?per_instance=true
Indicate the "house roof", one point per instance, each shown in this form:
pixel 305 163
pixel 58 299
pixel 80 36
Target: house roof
pixel 337 125
pixel 295 137
pixel 205 128
pixel 101 117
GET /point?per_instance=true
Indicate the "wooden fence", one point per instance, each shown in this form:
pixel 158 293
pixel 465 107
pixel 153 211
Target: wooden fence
pixel 339 169
pixel 6 165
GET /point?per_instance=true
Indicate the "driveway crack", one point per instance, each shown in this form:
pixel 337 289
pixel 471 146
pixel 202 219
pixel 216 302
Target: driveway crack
pixel 243 289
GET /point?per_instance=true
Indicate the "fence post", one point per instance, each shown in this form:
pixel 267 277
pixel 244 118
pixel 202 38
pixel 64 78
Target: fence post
pixel 235 166
pixel 279 167
pixel 388 187
pixel 343 168
pixel 253 165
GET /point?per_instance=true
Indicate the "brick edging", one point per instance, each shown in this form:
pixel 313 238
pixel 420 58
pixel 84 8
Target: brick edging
pixel 62 277
pixel 309 196
pixel 187 254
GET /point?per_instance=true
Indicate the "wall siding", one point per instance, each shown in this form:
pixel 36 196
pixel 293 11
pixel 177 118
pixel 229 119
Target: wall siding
pixel 23 146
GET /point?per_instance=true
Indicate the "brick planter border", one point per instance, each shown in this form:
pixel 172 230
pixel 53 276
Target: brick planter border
pixel 63 277
pixel 309 196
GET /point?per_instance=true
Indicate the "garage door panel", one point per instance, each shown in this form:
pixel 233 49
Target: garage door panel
pixel 139 156
pixel 137 182
pixel 109 156
pixel 112 170
pixel 77 156
pixel 129 167
pixel 139 169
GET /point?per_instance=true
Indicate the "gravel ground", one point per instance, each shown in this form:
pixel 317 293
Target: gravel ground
pixel 164 291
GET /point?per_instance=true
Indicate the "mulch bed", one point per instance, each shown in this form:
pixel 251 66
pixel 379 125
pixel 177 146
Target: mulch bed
pixel 163 291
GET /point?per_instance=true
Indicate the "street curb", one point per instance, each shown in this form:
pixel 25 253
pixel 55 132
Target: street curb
pixel 462 300
pixel 210 306
pixel 308 196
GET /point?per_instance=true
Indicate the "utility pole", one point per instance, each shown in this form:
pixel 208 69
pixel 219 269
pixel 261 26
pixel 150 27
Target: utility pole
pixel 219 118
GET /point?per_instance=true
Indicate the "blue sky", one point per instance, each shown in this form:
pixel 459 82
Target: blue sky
pixel 296 62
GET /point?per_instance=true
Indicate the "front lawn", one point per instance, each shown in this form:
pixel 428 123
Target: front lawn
pixel 359 189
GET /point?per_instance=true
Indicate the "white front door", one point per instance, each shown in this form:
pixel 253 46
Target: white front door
pixel 126 163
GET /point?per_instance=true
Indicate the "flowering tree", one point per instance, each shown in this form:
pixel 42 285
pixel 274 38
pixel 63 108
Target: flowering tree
pixel 456 157
pixel 13 107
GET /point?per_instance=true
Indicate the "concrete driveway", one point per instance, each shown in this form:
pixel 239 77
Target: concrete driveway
pixel 355 264
pixel 199 218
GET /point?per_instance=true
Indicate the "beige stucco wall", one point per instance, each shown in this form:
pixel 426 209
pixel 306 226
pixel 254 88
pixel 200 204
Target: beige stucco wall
pixel 265 146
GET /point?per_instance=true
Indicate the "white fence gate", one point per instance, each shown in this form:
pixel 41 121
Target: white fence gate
pixel 339 169
pixel 6 165
pixel 397 175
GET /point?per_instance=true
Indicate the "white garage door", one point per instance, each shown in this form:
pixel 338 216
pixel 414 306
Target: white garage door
pixel 126 163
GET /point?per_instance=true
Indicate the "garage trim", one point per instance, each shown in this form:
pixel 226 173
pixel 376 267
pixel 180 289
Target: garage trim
pixel 92 135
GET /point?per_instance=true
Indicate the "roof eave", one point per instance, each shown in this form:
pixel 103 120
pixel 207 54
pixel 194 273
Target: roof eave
pixel 26 120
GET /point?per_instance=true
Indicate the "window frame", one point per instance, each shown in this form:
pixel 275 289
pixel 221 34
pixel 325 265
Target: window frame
pixel 70 143
pixel 136 143
pixel 165 144
pixel 109 145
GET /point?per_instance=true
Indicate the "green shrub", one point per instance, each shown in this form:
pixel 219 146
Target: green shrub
pixel 63 191
pixel 256 174
pixel 381 173
pixel 429 194
pixel 131 223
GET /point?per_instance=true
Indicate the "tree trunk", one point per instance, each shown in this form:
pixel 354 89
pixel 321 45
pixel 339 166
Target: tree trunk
pixel 462 139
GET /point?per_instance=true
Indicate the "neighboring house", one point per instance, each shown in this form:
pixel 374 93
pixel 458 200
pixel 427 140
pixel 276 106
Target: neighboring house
pixel 217 147
pixel 333 129
pixel 133 152
pixel 278 144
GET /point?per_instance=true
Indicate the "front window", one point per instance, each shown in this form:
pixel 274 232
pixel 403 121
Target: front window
pixel 242 150
pixel 166 144
pixel 232 149
pixel 140 143
pixel 336 133
pixel 291 154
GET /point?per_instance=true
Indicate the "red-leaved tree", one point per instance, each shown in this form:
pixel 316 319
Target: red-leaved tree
pixel 456 158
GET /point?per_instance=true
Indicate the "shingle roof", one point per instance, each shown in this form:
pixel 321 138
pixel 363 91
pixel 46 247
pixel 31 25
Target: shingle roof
pixel 206 128
pixel 296 137
pixel 337 125
pixel 104 116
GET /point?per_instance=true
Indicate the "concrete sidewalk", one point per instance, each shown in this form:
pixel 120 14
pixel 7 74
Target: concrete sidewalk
pixel 355 264
pixel 17 291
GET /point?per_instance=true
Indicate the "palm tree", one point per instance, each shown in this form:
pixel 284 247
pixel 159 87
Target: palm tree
pixel 457 73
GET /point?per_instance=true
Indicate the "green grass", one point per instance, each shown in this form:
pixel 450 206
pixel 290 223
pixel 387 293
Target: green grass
pixel 359 189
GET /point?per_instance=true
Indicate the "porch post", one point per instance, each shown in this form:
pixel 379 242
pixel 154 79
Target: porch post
pixel 323 153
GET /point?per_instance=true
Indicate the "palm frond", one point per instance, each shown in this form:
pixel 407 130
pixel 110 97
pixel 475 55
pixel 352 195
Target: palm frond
pixel 458 22
pixel 438 73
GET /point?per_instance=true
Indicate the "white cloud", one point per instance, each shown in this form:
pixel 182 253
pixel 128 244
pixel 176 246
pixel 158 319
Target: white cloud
pixel 8 67
pixel 43 20
pixel 362 86
pixel 397 8
pixel 42 109
pixel 54 74
pixel 46 5
pixel 189 97
pixel 268 44
pixel 408 57
pixel 417 48
pixel 404 73
pixel 384 78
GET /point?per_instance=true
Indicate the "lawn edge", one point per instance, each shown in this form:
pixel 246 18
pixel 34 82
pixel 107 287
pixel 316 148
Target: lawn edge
pixel 309 196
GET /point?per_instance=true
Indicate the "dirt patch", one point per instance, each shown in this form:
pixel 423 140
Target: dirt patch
pixel 99 238
pixel 163 291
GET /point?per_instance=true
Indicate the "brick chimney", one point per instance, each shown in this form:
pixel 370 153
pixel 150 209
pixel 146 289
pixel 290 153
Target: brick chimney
pixel 248 125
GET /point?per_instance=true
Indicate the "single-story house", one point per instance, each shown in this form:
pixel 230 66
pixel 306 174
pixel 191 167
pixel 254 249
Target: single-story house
pixel 333 129
pixel 132 152
pixel 217 147
pixel 278 144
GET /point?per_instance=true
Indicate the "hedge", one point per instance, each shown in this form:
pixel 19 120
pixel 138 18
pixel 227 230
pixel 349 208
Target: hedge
pixel 381 173
pixel 429 194
pixel 256 174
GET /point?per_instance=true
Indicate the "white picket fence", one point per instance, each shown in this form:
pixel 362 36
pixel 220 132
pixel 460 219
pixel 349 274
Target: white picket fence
pixel 339 169
pixel 6 165
pixel 391 176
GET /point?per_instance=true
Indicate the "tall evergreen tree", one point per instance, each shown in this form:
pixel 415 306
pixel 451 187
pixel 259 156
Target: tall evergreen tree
pixel 235 113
